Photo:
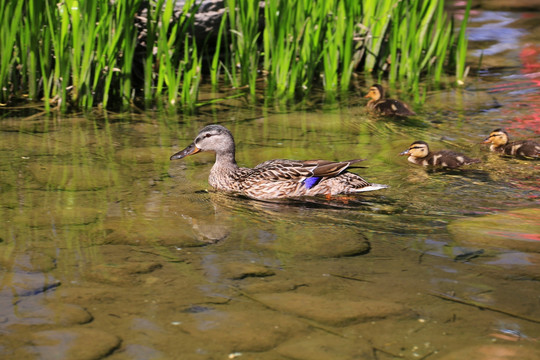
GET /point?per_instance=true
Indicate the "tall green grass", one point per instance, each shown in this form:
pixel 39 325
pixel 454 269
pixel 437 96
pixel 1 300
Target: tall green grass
pixel 307 43
pixel 10 20
pixel 79 54
pixel 82 53
pixel 304 41
pixel 244 29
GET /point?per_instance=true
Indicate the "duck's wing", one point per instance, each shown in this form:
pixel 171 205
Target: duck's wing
pixel 394 107
pixel 297 170
pixel 325 168
pixel 524 148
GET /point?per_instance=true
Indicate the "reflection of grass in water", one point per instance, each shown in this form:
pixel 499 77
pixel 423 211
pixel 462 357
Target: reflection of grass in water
pixel 60 193
pixel 333 136
pixel 45 228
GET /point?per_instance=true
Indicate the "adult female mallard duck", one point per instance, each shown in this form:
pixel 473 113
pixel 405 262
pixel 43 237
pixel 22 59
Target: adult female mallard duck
pixel 273 178
pixel 420 154
pixel 386 106
pixel 499 140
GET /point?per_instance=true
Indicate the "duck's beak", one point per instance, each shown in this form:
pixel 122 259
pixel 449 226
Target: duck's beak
pixel 190 150
pixel 406 152
pixel 487 140
pixel 368 95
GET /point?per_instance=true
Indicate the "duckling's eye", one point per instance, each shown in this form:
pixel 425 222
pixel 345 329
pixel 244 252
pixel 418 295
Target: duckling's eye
pixel 207 135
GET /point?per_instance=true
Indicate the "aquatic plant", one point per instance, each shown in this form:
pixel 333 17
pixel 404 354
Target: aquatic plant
pixel 10 18
pixel 82 53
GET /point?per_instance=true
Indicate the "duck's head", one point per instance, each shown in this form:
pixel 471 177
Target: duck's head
pixel 497 137
pixel 376 92
pixel 214 138
pixel 418 149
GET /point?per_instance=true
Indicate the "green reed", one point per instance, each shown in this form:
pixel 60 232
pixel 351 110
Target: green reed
pixel 58 20
pixel 244 27
pixel 350 54
pixel 168 78
pixel 462 42
pixel 81 53
pixel 10 19
pixel 280 41
pixel 416 54
pixel 216 63
pixel 178 71
pixel 375 19
pixel 304 41
pixel 30 37
pixel 191 76
pixel 152 30
pixel 403 40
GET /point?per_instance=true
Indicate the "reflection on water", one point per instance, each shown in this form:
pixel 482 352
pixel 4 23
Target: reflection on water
pixel 496 31
pixel 105 241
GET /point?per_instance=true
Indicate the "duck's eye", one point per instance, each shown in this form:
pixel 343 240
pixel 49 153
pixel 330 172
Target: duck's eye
pixel 207 135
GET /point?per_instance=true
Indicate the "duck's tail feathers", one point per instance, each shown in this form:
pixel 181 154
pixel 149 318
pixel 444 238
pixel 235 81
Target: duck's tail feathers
pixel 372 187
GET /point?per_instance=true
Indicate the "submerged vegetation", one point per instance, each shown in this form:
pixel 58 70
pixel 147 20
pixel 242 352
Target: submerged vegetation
pixel 87 53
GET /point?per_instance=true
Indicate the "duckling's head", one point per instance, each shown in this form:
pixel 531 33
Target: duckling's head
pixel 418 149
pixel 214 138
pixel 497 137
pixel 376 92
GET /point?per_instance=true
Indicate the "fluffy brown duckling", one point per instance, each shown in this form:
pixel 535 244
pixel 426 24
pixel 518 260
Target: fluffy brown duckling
pixel 420 154
pixel 499 140
pixel 386 106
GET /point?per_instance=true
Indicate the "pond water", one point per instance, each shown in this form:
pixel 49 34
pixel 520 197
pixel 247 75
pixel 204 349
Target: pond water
pixel 110 250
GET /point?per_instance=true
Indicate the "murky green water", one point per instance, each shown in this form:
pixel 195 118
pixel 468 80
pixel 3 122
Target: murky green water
pixel 108 249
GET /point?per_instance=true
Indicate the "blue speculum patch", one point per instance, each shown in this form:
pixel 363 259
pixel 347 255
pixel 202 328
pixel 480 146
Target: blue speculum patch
pixel 311 182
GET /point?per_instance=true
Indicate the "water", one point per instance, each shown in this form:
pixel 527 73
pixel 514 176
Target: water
pixel 108 249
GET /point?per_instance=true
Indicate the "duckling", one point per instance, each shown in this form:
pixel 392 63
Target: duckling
pixel 523 148
pixel 277 178
pixel 419 154
pixel 386 106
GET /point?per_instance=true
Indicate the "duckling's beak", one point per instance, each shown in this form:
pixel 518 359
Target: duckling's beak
pixel 487 140
pixel 368 95
pixel 406 152
pixel 190 150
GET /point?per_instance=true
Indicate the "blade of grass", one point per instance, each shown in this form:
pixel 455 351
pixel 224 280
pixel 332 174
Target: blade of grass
pixel 462 42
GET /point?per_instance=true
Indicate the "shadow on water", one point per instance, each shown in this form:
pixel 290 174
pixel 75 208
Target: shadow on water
pixel 110 250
